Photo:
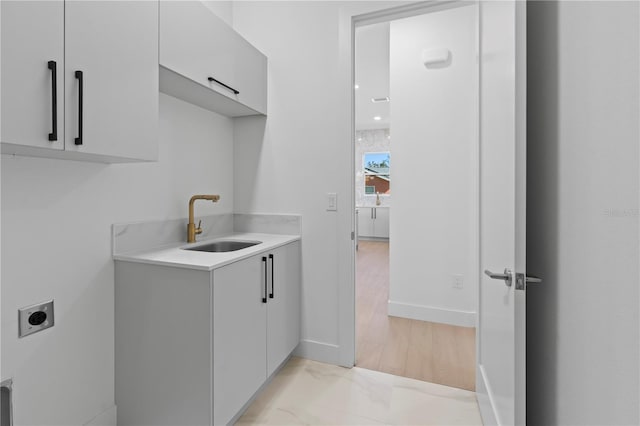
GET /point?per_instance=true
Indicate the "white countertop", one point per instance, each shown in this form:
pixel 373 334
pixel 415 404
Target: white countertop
pixel 173 255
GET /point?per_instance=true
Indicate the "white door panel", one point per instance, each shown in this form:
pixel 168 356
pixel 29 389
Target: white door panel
pixel 202 49
pixel 283 305
pixel 501 339
pixel 381 223
pixel 115 45
pixel 239 335
pixel 32 35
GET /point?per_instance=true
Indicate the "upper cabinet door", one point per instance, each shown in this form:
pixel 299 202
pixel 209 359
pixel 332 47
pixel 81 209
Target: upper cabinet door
pixel 251 76
pixel 205 62
pixel 32 36
pixel 112 104
pixel 197 44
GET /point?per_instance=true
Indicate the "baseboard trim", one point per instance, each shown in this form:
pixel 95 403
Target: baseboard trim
pixel 431 314
pixel 318 351
pixel 108 417
pixel 367 238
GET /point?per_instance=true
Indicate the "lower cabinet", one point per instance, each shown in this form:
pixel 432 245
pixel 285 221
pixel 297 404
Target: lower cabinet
pixel 256 325
pixel 193 347
pixel 373 222
pixel 239 335
pixel 283 305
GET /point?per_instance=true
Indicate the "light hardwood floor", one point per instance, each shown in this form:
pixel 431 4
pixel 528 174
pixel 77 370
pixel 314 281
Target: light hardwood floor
pixel 433 352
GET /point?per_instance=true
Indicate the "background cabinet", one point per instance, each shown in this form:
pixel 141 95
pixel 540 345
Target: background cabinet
pixel 114 45
pixel 197 46
pixel 373 222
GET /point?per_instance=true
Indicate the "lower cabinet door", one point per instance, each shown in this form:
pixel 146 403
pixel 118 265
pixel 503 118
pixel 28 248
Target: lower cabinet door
pixel 365 222
pixel 239 335
pixel 283 306
pixel 381 223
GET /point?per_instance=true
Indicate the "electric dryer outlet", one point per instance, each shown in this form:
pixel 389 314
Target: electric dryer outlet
pixel 34 318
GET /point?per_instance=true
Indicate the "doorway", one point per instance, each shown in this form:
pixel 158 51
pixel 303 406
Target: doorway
pixel 416 168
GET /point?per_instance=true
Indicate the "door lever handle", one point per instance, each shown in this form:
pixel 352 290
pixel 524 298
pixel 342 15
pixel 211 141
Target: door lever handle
pixel 522 280
pixel 506 276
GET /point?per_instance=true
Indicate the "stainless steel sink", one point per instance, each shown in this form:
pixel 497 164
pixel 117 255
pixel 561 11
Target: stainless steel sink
pixel 223 246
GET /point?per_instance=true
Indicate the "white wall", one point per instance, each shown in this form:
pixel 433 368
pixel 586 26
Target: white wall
pixel 222 8
pixel 583 171
pixel 288 163
pixel 56 243
pixel 304 150
pixel 434 130
pixel 309 49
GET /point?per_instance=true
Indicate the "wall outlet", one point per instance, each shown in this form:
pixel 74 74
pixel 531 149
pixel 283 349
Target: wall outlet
pixel 457 281
pixel 34 318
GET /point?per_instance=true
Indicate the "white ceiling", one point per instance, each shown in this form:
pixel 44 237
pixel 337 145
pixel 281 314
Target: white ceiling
pixel 372 75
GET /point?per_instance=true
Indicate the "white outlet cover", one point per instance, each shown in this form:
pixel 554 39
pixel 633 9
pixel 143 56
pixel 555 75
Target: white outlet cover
pixel 44 310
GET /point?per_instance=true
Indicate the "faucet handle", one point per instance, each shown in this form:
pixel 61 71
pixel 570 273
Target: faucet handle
pixel 198 229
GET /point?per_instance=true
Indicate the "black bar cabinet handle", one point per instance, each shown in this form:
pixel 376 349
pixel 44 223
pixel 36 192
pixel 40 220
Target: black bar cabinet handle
pixel 271 294
pixel 224 85
pixel 53 136
pixel 78 140
pixel 264 262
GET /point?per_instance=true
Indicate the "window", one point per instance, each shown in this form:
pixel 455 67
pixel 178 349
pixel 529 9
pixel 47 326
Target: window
pixel 377 177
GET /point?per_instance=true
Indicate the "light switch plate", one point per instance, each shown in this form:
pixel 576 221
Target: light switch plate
pixel 457 281
pixel 34 318
pixel 332 201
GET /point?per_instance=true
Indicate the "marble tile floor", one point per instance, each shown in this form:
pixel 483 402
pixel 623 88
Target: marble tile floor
pixel 307 392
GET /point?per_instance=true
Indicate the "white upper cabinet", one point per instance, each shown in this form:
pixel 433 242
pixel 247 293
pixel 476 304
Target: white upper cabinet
pixel 250 67
pixel 104 56
pixel 205 62
pixel 196 44
pixel 32 66
pixel 115 46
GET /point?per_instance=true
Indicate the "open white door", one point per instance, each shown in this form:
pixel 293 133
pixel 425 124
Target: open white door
pixel 501 356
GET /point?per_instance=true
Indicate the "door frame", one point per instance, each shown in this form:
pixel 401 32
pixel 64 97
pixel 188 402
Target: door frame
pixel 354 17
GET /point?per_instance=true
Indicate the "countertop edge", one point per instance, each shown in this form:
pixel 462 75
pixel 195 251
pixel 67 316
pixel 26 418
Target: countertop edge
pixel 148 256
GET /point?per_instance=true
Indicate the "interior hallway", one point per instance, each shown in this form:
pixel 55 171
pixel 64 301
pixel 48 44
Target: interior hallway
pixel 432 352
